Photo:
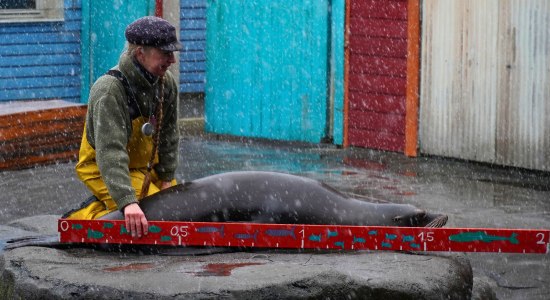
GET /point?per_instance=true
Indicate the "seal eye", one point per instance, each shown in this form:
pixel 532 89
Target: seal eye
pixel 397 219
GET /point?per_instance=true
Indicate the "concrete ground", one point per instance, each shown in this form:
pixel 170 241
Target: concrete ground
pixel 473 195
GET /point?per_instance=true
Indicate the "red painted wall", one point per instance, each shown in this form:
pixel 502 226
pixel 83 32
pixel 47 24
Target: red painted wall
pixel 377 43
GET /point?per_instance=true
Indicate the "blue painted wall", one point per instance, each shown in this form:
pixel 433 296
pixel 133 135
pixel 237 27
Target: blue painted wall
pixel 336 76
pixel 193 36
pixel 41 60
pixel 273 69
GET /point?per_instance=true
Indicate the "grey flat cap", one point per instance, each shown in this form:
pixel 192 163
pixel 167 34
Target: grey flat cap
pixel 154 32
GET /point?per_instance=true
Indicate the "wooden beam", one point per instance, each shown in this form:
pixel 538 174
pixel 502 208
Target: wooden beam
pixel 158 8
pixel 345 143
pixel 40 136
pixel 413 70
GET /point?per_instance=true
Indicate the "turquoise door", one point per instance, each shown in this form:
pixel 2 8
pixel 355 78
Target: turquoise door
pixel 103 25
pixel 267 69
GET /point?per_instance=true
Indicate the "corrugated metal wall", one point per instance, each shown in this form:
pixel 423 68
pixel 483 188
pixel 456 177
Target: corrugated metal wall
pixel 193 37
pixel 485 82
pixel 41 60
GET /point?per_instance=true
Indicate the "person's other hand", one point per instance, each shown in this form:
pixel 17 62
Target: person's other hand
pixel 135 220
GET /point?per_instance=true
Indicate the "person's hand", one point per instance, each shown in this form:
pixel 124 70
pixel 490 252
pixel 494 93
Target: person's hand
pixel 135 220
pixel 165 185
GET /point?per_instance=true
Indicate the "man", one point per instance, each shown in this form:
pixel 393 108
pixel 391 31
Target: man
pixel 131 112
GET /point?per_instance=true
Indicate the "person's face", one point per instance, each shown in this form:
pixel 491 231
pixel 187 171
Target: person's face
pixel 154 60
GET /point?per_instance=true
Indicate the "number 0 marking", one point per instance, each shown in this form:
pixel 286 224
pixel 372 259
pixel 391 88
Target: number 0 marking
pixel 64 226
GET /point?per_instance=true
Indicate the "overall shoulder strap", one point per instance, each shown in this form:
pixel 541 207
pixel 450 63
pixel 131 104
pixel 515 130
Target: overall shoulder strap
pixel 132 102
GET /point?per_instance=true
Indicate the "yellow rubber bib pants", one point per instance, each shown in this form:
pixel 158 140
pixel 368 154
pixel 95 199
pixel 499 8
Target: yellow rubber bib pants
pixel 139 151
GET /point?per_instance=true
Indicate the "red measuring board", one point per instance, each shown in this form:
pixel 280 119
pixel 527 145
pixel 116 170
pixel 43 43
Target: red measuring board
pixel 296 236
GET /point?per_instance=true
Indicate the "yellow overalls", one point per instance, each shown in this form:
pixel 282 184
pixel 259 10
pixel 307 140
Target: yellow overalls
pixel 139 151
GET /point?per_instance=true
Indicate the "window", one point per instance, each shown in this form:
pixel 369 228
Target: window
pixel 30 10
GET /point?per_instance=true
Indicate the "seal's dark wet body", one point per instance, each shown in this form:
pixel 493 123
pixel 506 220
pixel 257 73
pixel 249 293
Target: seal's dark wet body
pixel 268 197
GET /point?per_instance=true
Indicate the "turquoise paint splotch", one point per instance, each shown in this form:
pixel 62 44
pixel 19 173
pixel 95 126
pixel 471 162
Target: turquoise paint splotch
pixel 391 236
pixel 358 240
pixel 92 234
pixel 386 245
pixel 482 236
pixel 154 229
pixel 331 234
pixel 408 238
pixel 315 238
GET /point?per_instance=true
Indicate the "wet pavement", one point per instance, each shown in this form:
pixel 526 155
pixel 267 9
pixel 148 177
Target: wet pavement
pixel 472 194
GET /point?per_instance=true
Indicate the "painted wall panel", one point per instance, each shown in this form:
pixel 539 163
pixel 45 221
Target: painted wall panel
pixel 336 73
pixel 41 60
pixel 377 76
pixel 267 69
pixel 484 83
pixel 193 37
pixel 103 40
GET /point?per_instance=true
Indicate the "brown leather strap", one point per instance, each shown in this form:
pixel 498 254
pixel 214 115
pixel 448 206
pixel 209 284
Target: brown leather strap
pixel 156 138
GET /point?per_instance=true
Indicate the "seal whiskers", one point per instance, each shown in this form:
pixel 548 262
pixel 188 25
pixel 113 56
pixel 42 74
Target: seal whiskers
pixel 438 221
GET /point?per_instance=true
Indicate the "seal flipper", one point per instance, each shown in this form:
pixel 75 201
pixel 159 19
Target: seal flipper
pixel 51 241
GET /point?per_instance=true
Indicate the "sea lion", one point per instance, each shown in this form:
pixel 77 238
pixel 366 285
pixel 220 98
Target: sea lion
pixel 269 197
pixel 260 197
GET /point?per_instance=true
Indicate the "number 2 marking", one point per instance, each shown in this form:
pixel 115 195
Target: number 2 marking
pixel 540 237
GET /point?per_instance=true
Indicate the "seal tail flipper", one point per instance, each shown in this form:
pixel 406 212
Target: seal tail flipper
pixel 438 221
pixel 51 241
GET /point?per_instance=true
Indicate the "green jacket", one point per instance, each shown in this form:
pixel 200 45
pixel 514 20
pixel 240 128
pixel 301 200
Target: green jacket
pixel 109 128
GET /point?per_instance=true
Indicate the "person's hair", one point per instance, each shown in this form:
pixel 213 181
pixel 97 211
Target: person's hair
pixel 132 48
